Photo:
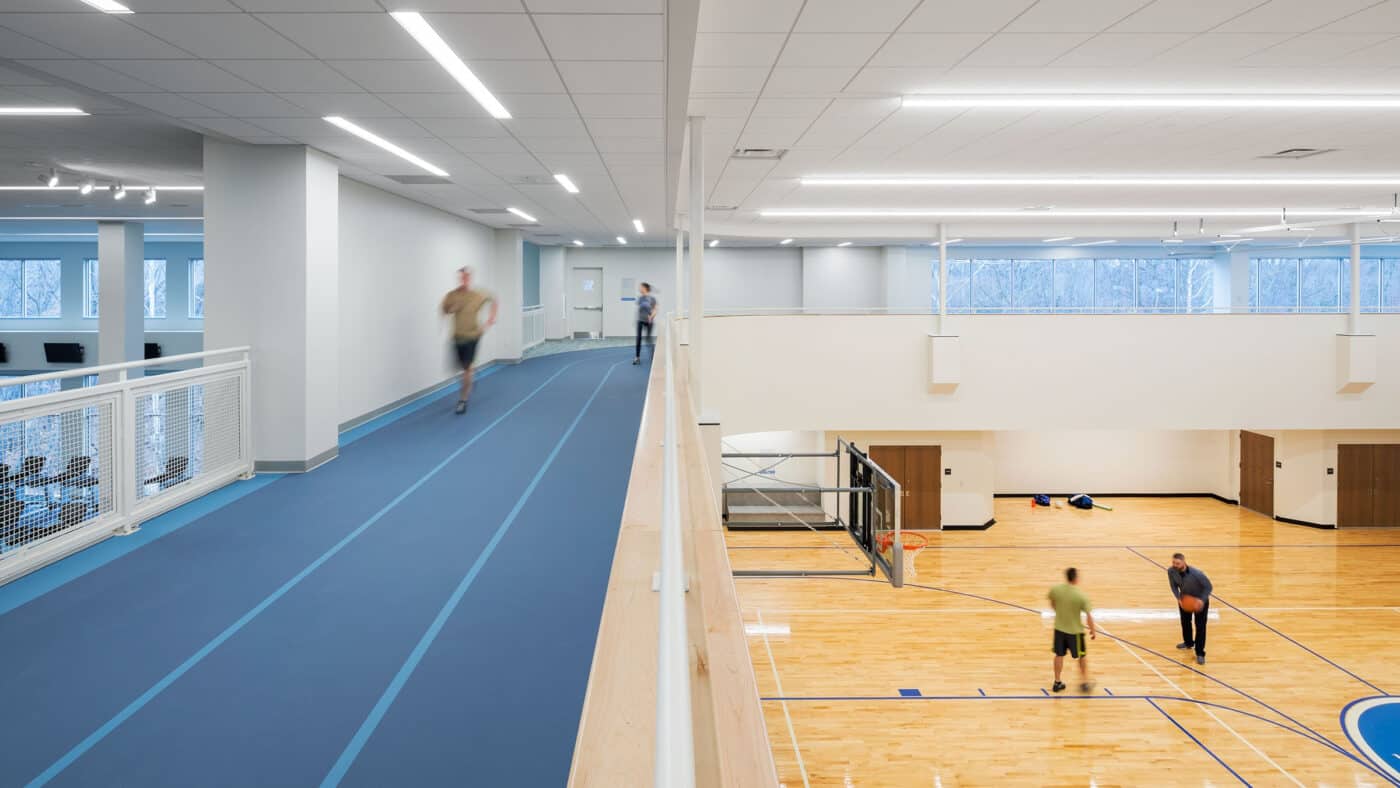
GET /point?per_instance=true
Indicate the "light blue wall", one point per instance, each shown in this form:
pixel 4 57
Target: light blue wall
pixel 175 255
pixel 530 269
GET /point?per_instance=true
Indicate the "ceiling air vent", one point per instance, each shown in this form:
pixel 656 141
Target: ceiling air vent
pixel 419 180
pixel 760 153
pixel 1298 153
pixel 532 180
pixel 721 208
pixel 488 211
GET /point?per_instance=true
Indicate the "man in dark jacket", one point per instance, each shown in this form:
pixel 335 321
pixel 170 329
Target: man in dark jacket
pixel 1193 582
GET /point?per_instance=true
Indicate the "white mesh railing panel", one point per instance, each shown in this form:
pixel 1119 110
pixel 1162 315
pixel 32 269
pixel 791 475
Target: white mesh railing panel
pixel 187 432
pixel 57 470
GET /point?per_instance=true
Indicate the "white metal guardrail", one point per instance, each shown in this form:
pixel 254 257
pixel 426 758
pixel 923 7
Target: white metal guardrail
pixel 532 327
pixel 82 464
pixel 675 741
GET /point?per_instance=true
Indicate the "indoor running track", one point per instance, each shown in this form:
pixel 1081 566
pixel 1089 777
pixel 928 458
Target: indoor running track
pixel 421 611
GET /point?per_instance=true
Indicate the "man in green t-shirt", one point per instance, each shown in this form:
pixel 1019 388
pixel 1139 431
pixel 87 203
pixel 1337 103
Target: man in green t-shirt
pixel 1068 602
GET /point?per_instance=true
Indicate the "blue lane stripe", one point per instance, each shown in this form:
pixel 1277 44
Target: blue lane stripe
pixel 1271 629
pixel 379 422
pixel 26 589
pixel 1198 742
pixel 391 693
pixel 184 667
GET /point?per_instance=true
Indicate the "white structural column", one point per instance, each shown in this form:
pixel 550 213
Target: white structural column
pixel 556 321
pixel 121 274
pixel 1354 314
pixel 271 246
pixel 679 297
pixel 697 260
pixel 942 276
pixel 508 284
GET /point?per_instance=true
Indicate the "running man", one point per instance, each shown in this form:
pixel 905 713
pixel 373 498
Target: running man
pixel 646 315
pixel 464 305
pixel 1189 580
pixel 1068 602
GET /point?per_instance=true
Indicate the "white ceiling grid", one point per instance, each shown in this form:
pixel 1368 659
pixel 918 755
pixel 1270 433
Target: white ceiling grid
pixel 583 80
pixel 823 78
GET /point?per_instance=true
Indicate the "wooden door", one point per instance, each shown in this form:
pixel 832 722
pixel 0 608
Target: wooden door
pixel 1386 476
pixel 919 471
pixel 1257 472
pixel 1355 485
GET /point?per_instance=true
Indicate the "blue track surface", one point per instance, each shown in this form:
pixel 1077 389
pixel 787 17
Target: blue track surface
pixel 436 589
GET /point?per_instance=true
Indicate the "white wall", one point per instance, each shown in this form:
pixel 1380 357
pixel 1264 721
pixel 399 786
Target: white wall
pixel 1037 372
pixel 1113 461
pixel 552 287
pixel 850 277
pixel 752 278
pixel 397 260
pixel 656 265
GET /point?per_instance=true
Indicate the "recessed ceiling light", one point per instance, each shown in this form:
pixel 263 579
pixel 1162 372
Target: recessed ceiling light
pixel 1172 241
pixel 844 243
pixel 714 243
pixel 1232 240
pixel 566 183
pixel 785 242
pixel 527 217
pixel 427 37
pixel 108 6
pixel 637 223
pixel 1094 243
pixel 1105 213
pixel 1138 101
pixel 41 111
pixel 622 240
pixel 1141 181
pixel 375 139
pixel 118 192
pixel 1058 240
pixel 578 243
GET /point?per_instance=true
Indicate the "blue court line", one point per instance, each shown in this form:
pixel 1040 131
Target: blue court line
pixel 1108 691
pixel 1313 734
pixel 379 422
pixel 981 692
pixel 1045 692
pixel 150 694
pixel 391 692
pixel 1271 629
pixel 1197 741
pixel 26 589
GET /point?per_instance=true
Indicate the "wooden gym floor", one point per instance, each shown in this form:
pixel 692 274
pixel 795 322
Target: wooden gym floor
pixel 1309 620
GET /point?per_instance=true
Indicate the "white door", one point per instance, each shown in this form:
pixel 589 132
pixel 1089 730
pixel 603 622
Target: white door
pixel 586 302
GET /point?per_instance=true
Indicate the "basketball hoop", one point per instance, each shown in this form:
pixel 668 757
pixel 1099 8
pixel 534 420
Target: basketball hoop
pixel 913 542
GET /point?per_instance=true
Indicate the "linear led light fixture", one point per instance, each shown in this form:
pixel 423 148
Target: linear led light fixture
pixel 637 223
pixel 1138 101
pixel 427 37
pixel 527 217
pixel 87 186
pixel 40 112
pixel 1094 243
pixel 578 242
pixel 844 244
pixel 375 139
pixel 108 6
pixel 622 240
pixel 566 183
pixel 785 242
pixel 1060 239
pixel 1067 214
pixel 714 243
pixel 1142 181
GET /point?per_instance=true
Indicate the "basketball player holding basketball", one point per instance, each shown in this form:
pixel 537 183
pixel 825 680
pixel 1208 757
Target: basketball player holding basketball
pixel 1190 581
pixel 1069 602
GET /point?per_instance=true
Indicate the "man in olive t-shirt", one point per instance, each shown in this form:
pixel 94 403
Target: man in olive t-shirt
pixel 1069 602
pixel 464 305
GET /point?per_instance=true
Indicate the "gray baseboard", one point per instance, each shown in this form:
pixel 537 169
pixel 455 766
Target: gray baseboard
pixel 296 466
pixel 424 392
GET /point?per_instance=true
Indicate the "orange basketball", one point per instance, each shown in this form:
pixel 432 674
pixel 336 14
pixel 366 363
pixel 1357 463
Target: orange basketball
pixel 1191 604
